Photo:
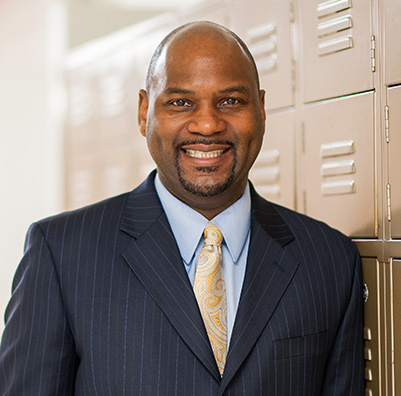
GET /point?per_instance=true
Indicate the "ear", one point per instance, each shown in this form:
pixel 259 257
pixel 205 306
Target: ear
pixel 262 93
pixel 142 111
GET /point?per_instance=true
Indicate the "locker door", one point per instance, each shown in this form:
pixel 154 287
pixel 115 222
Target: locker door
pixel 117 172
pixel 81 182
pixel 336 47
pixel 82 120
pixel 273 173
pixel 372 328
pixel 267 32
pixel 396 326
pixel 214 11
pixel 392 51
pixel 338 162
pixel 116 111
pixel 149 35
pixel 394 146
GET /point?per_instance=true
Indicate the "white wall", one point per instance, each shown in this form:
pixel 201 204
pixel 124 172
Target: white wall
pixel 31 105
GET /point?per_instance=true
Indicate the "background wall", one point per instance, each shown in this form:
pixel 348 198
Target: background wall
pixel 34 40
pixel 32 46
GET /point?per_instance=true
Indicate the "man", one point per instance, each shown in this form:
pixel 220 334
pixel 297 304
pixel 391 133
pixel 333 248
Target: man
pixel 110 299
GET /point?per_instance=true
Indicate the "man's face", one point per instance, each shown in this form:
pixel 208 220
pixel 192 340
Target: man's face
pixel 204 120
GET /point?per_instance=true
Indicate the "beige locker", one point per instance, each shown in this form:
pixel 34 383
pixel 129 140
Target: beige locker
pixel 396 326
pixel 335 48
pixel 116 111
pixel 80 182
pixel 267 32
pixel 148 36
pixel 117 172
pixel 273 173
pixel 214 11
pixel 82 121
pixel 338 164
pixel 394 145
pixel 392 50
pixel 372 326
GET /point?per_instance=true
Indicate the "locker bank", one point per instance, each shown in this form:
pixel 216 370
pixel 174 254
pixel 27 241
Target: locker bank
pixel 332 74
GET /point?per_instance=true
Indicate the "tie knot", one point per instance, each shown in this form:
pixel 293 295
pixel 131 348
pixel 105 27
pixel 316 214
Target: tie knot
pixel 213 235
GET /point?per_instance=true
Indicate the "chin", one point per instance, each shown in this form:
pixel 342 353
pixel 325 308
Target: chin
pixel 206 189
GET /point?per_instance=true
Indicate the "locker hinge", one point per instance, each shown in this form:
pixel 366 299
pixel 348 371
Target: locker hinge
pixel 388 193
pixel 373 53
pixel 386 123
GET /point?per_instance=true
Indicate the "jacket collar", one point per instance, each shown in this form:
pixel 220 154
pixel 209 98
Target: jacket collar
pixel 155 259
pixel 143 207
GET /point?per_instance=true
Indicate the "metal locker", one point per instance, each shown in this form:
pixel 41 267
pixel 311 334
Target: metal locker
pixel 335 48
pixel 338 164
pixel 81 122
pixel 396 326
pixel 392 45
pixel 273 173
pixel 80 182
pixel 267 32
pixel 372 327
pixel 148 36
pixel 214 11
pixel 116 111
pixel 393 128
pixel 117 172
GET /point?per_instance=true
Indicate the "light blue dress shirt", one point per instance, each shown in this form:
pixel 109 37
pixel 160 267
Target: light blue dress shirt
pixel 187 225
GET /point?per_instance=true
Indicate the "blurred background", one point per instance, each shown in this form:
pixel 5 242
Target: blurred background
pixel 37 43
pixel 70 72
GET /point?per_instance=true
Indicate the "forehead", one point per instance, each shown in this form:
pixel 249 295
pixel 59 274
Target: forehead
pixel 204 57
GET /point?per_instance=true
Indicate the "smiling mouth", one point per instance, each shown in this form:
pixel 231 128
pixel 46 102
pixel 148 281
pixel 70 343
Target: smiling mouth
pixel 203 154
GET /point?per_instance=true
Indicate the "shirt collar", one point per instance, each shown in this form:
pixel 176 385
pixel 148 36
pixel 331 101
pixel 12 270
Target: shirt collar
pixel 187 224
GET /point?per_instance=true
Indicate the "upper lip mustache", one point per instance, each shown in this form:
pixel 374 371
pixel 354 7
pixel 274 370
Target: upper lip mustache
pixel 205 145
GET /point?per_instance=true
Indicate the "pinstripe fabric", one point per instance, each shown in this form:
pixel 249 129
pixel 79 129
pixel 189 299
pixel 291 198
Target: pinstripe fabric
pixel 102 305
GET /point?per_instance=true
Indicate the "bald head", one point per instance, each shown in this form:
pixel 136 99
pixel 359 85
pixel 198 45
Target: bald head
pixel 186 35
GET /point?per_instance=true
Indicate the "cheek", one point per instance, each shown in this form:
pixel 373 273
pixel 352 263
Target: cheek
pixel 160 142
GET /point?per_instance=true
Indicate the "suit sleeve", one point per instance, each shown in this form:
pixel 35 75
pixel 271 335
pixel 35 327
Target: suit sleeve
pixel 37 352
pixel 344 374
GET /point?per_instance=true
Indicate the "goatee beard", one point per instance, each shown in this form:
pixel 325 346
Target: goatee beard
pixel 202 190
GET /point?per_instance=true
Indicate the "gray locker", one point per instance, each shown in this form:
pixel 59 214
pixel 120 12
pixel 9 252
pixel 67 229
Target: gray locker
pixel 267 32
pixel 273 173
pixel 392 50
pixel 335 48
pixel 338 164
pixel 394 144
pixel 372 327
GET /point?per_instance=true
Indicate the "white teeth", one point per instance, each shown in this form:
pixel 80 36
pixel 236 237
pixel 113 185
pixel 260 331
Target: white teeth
pixel 204 154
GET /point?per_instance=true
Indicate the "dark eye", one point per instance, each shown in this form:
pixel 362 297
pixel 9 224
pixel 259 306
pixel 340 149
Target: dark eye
pixel 230 101
pixel 180 103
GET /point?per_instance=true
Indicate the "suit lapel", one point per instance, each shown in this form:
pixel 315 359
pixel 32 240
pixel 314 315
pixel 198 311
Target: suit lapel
pixel 155 259
pixel 269 271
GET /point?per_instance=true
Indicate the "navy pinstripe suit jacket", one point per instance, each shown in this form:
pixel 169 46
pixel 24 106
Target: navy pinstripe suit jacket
pixel 102 305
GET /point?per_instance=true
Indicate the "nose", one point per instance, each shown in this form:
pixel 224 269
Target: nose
pixel 206 120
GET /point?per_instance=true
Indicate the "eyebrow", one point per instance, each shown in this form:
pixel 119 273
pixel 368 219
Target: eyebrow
pixel 235 88
pixel 225 91
pixel 180 91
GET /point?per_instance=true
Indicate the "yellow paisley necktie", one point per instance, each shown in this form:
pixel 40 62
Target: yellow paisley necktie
pixel 210 291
